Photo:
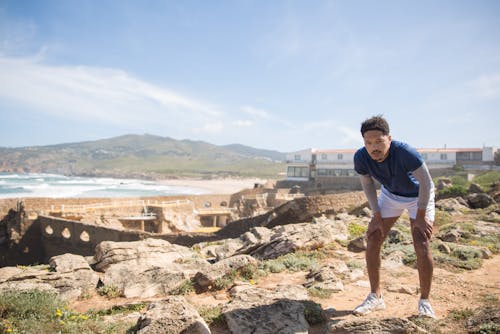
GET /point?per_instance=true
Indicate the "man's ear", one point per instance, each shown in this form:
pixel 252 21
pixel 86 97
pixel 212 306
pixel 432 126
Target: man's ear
pixel 390 138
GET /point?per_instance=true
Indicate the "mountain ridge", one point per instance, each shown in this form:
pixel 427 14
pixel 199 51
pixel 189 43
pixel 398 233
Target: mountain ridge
pixel 146 155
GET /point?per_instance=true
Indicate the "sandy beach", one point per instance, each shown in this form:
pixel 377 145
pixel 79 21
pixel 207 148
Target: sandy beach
pixel 218 186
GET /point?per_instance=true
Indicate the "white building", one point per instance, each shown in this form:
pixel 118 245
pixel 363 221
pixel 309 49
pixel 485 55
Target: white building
pixel 314 164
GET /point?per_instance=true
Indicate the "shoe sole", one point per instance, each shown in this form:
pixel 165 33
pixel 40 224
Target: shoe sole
pixel 359 314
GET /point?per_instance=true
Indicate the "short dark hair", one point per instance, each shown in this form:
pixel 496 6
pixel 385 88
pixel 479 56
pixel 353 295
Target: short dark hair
pixel 375 123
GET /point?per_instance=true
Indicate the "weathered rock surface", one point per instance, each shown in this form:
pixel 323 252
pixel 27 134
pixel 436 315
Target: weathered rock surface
pixel 71 276
pixel 218 270
pixel 326 278
pixel 264 243
pixel 452 205
pixel 375 326
pixel 288 238
pixel 143 281
pixel 174 315
pixel 480 200
pixel 262 311
pixel 149 253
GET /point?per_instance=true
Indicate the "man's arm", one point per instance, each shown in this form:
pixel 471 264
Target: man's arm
pixel 425 186
pixel 376 223
pixel 371 193
pixel 424 192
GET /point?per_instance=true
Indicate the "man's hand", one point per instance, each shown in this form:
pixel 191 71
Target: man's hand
pixel 376 224
pixel 422 224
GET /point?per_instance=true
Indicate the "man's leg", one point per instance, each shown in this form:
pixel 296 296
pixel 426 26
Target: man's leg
pixel 424 261
pixel 372 255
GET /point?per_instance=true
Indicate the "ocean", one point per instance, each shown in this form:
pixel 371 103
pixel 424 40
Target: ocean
pixel 58 186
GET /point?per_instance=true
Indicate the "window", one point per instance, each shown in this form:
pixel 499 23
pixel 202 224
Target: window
pixel 444 156
pixel 297 157
pixel 340 156
pixel 424 156
pixel 297 171
pixel 324 156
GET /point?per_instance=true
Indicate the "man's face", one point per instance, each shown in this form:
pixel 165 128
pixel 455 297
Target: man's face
pixel 377 144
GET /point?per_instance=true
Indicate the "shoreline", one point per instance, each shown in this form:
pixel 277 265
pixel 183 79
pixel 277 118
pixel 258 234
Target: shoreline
pixel 215 186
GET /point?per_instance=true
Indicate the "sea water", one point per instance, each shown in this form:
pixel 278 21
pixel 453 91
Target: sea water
pixel 52 185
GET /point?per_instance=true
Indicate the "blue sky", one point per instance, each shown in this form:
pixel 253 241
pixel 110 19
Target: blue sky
pixel 283 75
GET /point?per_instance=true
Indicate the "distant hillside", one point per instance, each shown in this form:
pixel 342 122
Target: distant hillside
pixel 143 156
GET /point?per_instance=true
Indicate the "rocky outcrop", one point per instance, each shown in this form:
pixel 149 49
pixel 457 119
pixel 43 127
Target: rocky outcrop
pixel 256 310
pixel 264 243
pixel 173 315
pixel 148 253
pixel 208 277
pixel 68 275
pixel 382 326
pixel 480 200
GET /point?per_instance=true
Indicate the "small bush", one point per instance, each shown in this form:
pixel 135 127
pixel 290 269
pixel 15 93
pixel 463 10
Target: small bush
pixel 110 291
pixel 442 218
pixel 313 312
pixel 225 281
pixel 453 191
pixel 298 261
pixel 356 230
pixel 212 315
pixel 185 288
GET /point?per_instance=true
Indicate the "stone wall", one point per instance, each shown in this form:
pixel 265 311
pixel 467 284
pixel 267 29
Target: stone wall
pixel 48 236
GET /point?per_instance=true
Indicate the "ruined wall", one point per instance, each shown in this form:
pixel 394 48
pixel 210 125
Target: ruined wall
pixel 59 236
pixel 48 236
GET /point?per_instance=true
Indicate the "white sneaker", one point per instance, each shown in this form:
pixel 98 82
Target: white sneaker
pixel 425 309
pixel 371 303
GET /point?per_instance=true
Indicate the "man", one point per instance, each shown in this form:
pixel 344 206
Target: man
pixel 405 184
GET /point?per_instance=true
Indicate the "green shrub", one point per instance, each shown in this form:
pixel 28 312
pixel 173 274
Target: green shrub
pixel 356 230
pixel 442 218
pixel 313 312
pixel 37 311
pixel 212 315
pixel 185 288
pixel 225 281
pixel 109 291
pixel 453 191
pixel 28 304
pixel 297 261
pixel 487 179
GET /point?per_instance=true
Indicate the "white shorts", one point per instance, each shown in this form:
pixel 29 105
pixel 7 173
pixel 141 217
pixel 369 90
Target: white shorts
pixel 393 205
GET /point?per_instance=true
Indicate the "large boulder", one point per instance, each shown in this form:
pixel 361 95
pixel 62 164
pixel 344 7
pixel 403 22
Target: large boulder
pixel 173 315
pixel 69 276
pixel 143 281
pixel 148 253
pixel 480 200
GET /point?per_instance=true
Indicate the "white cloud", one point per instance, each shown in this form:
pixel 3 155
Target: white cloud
pixel 214 127
pixel 243 123
pixel 487 86
pixel 96 94
pixel 255 112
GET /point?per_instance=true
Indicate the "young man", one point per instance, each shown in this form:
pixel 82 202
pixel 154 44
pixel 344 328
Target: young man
pixel 406 184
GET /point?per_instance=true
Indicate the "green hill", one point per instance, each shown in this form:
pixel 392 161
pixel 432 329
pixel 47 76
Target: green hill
pixel 143 156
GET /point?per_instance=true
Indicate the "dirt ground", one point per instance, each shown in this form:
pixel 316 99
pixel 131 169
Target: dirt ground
pixel 450 292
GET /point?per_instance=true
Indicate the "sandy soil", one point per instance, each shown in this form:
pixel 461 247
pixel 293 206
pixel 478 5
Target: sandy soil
pixel 217 186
